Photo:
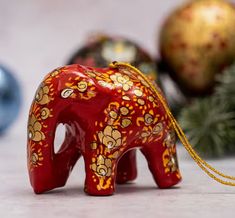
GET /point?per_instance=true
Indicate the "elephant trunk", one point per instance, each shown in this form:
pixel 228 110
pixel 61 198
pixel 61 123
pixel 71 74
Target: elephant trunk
pixel 43 120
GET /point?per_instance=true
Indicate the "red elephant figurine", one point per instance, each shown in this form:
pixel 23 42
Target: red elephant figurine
pixel 108 114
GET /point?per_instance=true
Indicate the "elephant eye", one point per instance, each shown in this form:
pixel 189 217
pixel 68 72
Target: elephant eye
pixel 66 93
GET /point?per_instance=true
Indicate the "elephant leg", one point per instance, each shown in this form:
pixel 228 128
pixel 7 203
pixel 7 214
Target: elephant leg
pixel 126 169
pixel 100 175
pixel 55 168
pixel 162 165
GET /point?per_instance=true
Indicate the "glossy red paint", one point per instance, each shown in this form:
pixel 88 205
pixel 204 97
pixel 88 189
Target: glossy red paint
pixel 108 113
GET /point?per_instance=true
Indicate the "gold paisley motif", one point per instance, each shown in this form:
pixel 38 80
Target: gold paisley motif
pixel 66 93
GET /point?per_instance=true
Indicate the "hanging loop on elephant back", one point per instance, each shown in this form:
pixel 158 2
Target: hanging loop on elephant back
pixel 206 167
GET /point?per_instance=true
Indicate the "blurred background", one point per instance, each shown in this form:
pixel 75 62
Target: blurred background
pixel 39 36
pixel 191 50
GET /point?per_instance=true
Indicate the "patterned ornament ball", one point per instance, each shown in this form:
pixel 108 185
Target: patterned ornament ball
pixel 175 97
pixel 100 50
pixel 197 41
pixel 10 98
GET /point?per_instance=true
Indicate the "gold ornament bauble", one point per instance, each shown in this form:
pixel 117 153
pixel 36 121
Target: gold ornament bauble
pixel 197 41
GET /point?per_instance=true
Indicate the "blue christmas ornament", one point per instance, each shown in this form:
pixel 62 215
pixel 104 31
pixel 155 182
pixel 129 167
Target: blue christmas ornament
pixel 10 98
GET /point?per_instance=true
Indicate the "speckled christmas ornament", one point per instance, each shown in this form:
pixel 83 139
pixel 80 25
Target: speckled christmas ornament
pixel 174 95
pixel 10 98
pixel 102 49
pixel 197 41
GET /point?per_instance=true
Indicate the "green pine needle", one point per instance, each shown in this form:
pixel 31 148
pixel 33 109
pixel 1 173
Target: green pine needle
pixel 225 91
pixel 209 123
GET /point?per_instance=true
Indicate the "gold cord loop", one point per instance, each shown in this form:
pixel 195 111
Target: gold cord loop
pixel 207 168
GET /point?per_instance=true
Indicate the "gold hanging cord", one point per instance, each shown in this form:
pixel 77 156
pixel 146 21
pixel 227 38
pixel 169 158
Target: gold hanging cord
pixel 207 168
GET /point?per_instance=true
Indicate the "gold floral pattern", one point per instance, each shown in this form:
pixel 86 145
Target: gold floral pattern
pixel 124 111
pixel 45 113
pixel 106 84
pixel 113 114
pixel 34 129
pixel 79 87
pixel 152 129
pixel 145 134
pixel 94 145
pixel 125 122
pixel 170 161
pixel 42 96
pixel 138 92
pixel 91 73
pixel 119 115
pixel 148 118
pixel 36 158
pixel 82 86
pixel 121 80
pixel 169 155
pixel 126 98
pixel 110 137
pixel 151 98
pixel 143 81
pixel 54 73
pixel 157 128
pixel 140 101
pixel 135 106
pixel 170 139
pixel 102 166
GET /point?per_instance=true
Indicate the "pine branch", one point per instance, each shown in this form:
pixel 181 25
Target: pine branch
pixel 210 122
pixel 225 91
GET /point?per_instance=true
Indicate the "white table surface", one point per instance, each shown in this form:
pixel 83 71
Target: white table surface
pixel 37 36
pixel 196 196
